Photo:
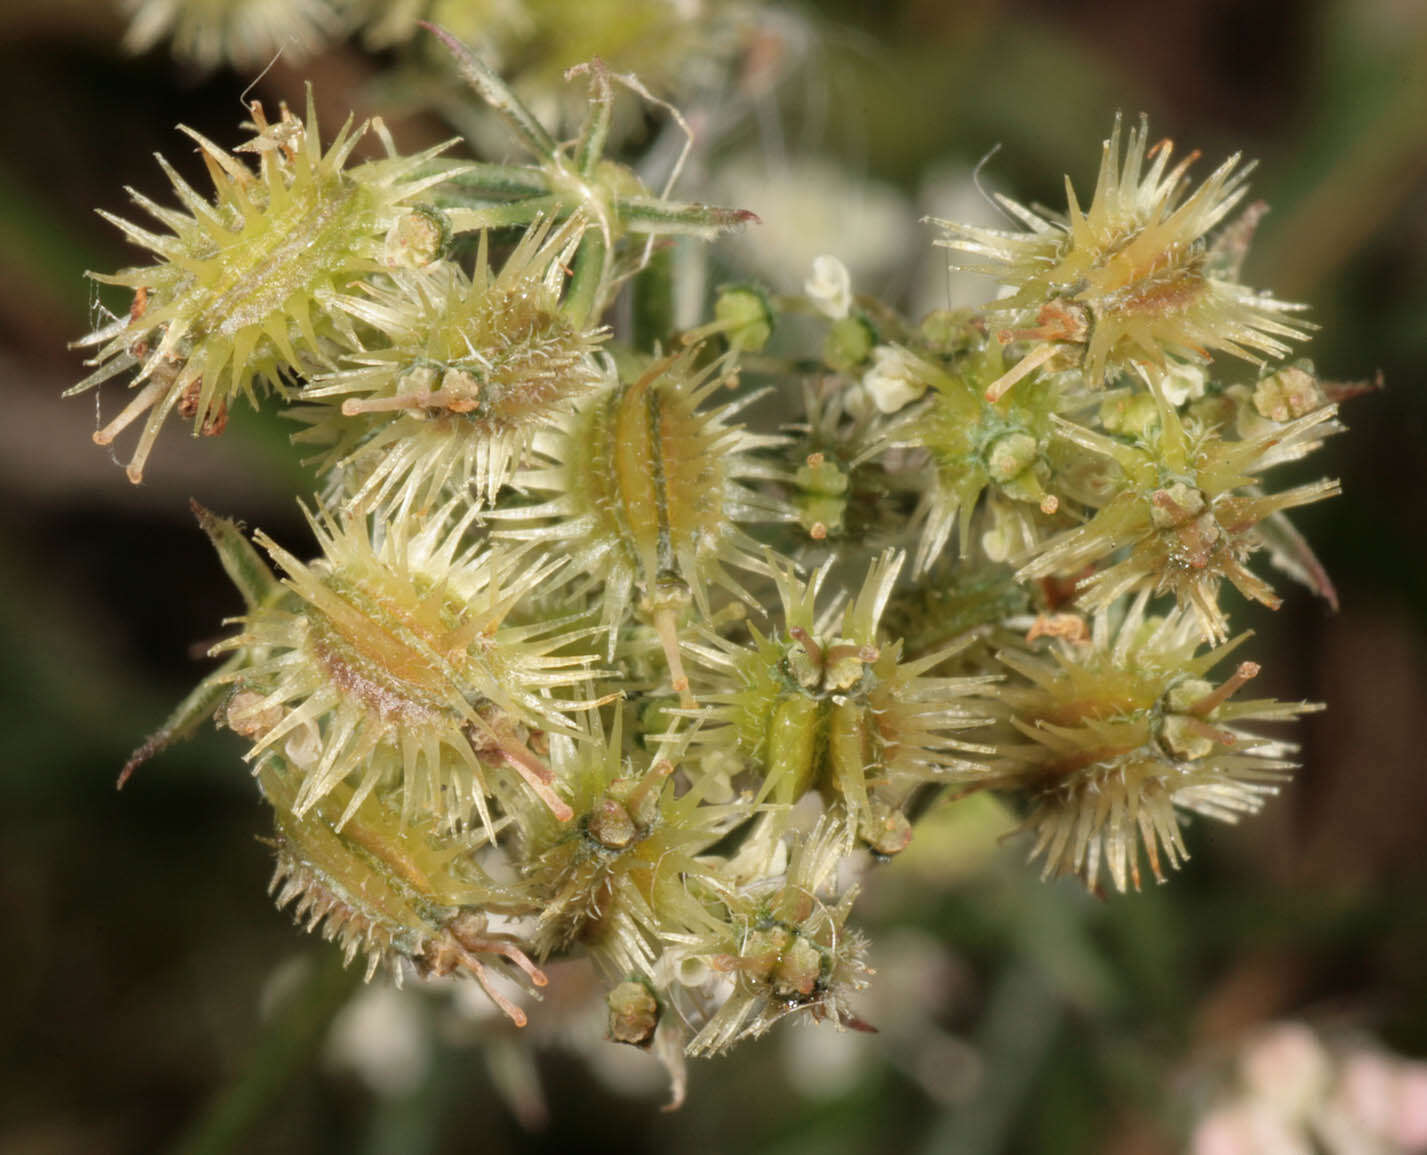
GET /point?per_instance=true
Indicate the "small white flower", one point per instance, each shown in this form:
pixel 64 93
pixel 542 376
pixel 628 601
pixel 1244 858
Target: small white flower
pixel 856 403
pixel 1182 381
pixel 829 287
pixel 895 379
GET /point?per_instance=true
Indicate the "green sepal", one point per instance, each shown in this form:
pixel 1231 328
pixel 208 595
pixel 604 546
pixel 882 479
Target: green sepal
pixel 241 562
pixel 657 217
pixel 494 181
pixel 595 131
pixel 200 705
pixel 495 92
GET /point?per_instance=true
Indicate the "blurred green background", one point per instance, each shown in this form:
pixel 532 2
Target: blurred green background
pixel 1021 1017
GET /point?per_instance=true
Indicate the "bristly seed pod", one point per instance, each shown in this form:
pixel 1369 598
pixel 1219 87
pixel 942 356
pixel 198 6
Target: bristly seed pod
pixel 388 663
pixel 1124 731
pixel 1188 510
pixel 391 891
pixel 620 875
pixel 649 496
pixel 786 945
pixel 982 446
pixel 471 368
pixel 826 704
pixel 506 486
pixel 1132 276
pixel 242 294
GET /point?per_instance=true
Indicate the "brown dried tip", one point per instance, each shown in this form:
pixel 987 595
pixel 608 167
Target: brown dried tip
pixel 1346 390
pixel 152 745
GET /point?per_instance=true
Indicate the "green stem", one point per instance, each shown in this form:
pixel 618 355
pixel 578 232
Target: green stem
pixel 582 297
pixel 465 220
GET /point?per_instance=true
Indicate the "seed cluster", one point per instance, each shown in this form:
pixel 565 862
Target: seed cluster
pixel 628 641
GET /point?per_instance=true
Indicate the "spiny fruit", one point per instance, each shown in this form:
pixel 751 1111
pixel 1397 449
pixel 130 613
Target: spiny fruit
pixel 1187 508
pixel 241 299
pixel 1122 730
pixel 387 662
pixel 1134 276
pixel 827 704
pixel 392 891
pixel 468 369
pixel 648 496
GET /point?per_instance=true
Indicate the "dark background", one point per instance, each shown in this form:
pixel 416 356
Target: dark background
pixel 137 935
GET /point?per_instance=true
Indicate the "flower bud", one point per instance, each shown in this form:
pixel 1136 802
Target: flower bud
pixel 829 287
pixel 633 1013
pixel 896 378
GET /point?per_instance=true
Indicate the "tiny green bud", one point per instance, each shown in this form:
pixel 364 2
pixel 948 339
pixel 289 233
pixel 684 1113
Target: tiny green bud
pixel 821 476
pixel 848 344
pixel 633 1014
pixel 1010 455
pixel 746 317
pixel 821 516
pixel 417 238
pixel 798 970
pixel 822 502
pixel 1129 414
